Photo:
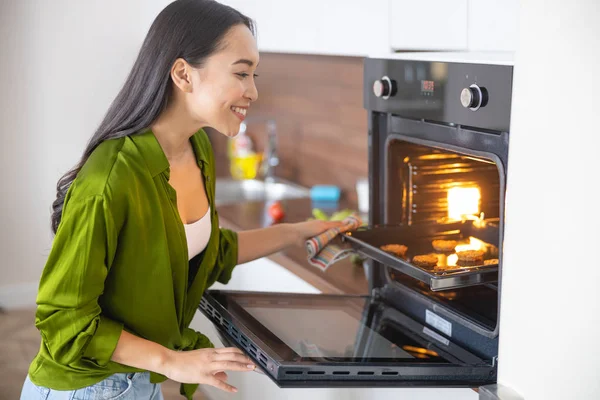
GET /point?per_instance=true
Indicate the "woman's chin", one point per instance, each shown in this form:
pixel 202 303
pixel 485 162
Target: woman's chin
pixel 230 134
pixel 230 131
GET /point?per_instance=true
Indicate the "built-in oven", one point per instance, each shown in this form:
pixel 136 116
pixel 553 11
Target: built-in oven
pixel 438 153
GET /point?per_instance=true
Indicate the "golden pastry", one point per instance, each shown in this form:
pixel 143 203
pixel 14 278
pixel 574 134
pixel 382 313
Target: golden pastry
pixel 399 250
pixel 425 260
pixel 445 246
pixel 470 255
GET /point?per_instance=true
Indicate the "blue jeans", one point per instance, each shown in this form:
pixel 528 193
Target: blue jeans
pixel 116 387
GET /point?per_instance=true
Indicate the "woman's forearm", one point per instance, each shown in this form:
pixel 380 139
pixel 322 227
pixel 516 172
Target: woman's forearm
pixel 259 243
pixel 141 353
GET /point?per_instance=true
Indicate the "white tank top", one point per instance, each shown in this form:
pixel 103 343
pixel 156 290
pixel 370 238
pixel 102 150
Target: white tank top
pixel 198 234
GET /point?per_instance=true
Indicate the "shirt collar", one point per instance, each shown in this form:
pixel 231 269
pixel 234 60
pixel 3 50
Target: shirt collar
pixel 155 157
pixel 201 152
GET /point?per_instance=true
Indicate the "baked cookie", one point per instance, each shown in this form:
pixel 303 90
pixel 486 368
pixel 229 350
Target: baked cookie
pixel 399 250
pixel 441 268
pixel 425 260
pixel 445 246
pixel 491 261
pixel 470 255
pixel 469 258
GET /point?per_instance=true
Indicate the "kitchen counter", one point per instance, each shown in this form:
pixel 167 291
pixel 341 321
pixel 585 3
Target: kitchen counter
pixel 342 277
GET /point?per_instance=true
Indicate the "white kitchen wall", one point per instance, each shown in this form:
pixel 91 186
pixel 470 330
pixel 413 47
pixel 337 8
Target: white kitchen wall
pixel 550 312
pixel 61 64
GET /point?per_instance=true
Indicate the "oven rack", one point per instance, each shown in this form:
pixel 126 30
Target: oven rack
pixel 418 238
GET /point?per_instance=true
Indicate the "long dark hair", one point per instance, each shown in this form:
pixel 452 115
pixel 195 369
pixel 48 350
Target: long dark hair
pixel 188 29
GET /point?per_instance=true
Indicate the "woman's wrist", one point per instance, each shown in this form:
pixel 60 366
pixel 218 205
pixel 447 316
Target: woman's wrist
pixel 290 233
pixel 164 361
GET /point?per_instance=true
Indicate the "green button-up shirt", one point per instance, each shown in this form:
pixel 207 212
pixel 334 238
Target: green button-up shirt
pixel 119 260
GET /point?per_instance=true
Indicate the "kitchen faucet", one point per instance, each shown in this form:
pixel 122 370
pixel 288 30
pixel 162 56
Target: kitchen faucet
pixel 271 160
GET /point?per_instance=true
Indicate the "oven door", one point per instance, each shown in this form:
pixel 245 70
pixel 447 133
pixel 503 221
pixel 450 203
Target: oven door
pixel 307 340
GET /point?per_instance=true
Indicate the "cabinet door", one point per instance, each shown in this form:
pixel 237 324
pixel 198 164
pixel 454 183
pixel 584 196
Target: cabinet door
pixel 493 25
pixel 428 24
pixel 282 26
pixel 353 28
pixel 333 27
pixel 287 26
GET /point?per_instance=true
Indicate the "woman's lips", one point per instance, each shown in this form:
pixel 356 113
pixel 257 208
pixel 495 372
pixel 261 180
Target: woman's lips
pixel 239 112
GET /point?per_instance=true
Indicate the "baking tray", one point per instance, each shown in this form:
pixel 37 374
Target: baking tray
pixel 418 238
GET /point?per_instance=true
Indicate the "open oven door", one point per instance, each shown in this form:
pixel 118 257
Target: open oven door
pixel 308 340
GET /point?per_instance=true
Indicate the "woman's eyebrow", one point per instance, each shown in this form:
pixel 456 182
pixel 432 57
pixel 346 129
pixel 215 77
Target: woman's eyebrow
pixel 244 61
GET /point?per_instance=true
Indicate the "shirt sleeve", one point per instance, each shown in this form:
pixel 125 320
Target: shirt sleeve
pixel 69 316
pixel 228 254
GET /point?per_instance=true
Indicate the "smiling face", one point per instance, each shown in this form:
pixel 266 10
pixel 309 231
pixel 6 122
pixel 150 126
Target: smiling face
pixel 223 88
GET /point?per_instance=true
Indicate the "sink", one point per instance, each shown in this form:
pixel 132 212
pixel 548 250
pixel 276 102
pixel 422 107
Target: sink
pixel 229 191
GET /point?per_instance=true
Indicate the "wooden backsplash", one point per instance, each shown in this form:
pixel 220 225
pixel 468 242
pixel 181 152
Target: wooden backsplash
pixel 321 123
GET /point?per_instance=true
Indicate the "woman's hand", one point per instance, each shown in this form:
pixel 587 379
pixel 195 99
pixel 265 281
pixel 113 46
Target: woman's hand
pixel 207 366
pixel 308 229
pixel 259 243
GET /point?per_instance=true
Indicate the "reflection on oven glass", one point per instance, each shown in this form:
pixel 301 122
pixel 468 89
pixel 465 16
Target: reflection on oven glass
pixel 321 333
pixel 420 352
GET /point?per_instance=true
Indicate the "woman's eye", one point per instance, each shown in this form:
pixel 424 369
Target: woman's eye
pixel 245 75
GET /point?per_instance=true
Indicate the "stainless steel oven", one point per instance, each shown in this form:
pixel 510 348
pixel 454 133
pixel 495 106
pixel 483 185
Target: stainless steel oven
pixel 438 153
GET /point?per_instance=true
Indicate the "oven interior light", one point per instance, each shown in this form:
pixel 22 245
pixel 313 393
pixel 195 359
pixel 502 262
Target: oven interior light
pixel 474 244
pixel 463 202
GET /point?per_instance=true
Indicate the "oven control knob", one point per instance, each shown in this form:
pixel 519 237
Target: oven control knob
pixel 384 87
pixel 474 97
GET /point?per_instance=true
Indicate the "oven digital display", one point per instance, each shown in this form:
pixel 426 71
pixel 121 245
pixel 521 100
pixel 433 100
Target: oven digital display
pixel 427 86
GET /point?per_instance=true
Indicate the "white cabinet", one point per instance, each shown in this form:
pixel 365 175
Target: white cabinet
pixel 282 26
pixel 428 24
pixel 493 25
pixel 357 28
pixel 465 25
pixel 335 27
pixel 361 28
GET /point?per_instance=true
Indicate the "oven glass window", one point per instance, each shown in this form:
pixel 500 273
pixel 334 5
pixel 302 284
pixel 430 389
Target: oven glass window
pixel 327 328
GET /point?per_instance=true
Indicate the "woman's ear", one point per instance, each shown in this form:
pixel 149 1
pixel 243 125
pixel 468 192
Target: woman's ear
pixel 181 75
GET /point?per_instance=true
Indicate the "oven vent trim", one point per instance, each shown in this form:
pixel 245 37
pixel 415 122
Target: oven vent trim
pixel 249 346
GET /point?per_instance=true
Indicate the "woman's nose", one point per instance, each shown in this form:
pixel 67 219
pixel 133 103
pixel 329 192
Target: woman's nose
pixel 252 92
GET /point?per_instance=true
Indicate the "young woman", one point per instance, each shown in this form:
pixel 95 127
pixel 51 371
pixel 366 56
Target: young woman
pixel 137 234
